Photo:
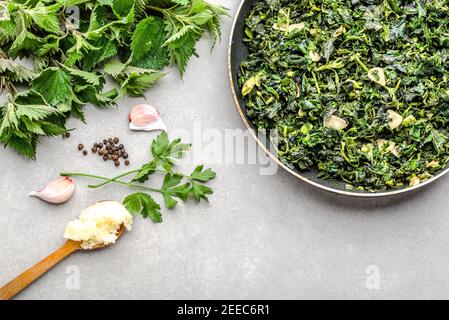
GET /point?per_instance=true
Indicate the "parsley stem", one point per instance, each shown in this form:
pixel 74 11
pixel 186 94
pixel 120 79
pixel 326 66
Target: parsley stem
pixel 113 179
pixel 128 184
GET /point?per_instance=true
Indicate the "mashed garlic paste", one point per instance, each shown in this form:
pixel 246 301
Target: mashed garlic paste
pixel 98 224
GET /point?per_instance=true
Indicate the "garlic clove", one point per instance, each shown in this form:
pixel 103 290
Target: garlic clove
pixel 414 181
pixel 58 191
pixel 144 117
pixel 314 56
pixel 395 119
pixel 335 122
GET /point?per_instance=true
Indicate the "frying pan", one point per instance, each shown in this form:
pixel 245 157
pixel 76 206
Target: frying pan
pixel 237 52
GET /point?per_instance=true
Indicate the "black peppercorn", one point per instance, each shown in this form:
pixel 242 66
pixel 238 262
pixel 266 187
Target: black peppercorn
pixel 100 145
pixel 127 162
pixel 115 157
pixel 85 152
pixel 105 141
pixel 117 163
pixel 94 150
pixel 121 146
pixel 67 135
pixel 116 140
pixel 80 147
pixel 125 155
pixel 105 158
pixel 110 156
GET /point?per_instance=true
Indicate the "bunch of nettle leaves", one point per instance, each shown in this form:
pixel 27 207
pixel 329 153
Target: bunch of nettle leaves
pixel 130 40
pixel 357 90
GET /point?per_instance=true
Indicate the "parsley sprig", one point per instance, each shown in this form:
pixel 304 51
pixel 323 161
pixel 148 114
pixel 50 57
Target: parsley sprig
pixel 175 186
pixel 130 41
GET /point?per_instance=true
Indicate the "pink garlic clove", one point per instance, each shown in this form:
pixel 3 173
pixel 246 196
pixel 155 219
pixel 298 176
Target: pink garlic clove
pixel 144 117
pixel 58 191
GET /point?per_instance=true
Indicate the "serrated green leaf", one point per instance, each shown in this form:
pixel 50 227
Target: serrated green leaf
pixel 122 8
pixel 114 68
pixel 24 41
pixel 89 77
pixel 138 83
pixel 45 17
pixel 14 71
pixel 53 84
pixel 25 145
pixel 147 48
pixel 182 49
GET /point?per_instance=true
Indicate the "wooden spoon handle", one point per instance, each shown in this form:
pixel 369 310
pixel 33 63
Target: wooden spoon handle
pixel 26 278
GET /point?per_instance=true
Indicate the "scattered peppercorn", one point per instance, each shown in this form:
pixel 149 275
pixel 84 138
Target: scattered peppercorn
pixel 109 149
pixel 67 135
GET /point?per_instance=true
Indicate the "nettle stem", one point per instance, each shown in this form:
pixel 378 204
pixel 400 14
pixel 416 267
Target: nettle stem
pixel 155 8
pixel 109 180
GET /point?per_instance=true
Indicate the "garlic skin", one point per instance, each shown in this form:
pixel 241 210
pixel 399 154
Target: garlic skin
pixel 56 192
pixel 144 117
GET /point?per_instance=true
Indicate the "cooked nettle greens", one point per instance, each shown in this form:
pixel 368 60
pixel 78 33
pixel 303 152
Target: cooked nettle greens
pixel 357 90
pixel 74 44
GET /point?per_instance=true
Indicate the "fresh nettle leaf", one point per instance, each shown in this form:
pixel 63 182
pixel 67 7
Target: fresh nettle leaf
pixel 134 80
pixel 175 186
pixel 147 44
pixel 358 91
pixel 24 118
pixel 53 84
pixel 130 40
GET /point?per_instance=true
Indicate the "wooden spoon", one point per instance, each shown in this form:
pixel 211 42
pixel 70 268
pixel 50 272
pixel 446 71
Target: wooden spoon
pixel 29 276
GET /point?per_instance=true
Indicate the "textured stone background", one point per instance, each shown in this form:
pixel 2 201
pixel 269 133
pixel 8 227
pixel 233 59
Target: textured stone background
pixel 261 237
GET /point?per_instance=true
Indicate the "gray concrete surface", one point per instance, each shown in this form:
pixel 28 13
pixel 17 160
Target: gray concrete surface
pixel 261 236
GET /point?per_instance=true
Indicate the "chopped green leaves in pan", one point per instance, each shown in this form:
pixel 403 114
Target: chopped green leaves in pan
pixel 357 90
